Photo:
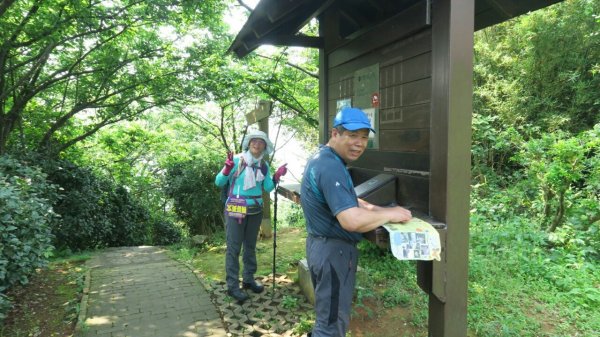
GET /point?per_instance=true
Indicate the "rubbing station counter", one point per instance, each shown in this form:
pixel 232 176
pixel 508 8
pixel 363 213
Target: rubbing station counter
pixel 379 190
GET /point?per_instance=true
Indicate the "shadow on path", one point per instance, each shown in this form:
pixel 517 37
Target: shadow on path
pixel 140 291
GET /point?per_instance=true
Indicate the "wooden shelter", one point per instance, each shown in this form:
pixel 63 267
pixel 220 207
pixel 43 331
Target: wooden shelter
pixel 408 63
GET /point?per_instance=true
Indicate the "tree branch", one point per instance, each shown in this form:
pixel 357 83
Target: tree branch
pixel 5 5
pixel 244 5
pixel 311 121
pixel 203 127
pixel 97 127
pixel 314 75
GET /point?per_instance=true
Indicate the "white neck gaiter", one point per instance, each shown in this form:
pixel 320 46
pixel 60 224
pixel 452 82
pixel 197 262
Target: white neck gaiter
pixel 252 175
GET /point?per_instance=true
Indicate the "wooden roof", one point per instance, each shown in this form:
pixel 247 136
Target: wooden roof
pixel 277 22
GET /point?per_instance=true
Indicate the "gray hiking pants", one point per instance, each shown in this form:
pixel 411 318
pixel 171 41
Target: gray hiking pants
pixel 241 234
pixel 332 265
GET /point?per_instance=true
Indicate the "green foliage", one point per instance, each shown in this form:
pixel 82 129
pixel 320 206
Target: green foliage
pixel 197 201
pixel 396 295
pixel 521 76
pixel 553 184
pixel 182 252
pixel 382 277
pixel 513 270
pixel 128 218
pixel 134 154
pixel 294 86
pixel 25 216
pixel 289 302
pixel 564 171
pixel 108 62
pixel 5 306
pixel 493 146
pixel 93 211
pixel 235 85
pixel 305 325
pixel 382 266
pixel 164 233
pixel 290 212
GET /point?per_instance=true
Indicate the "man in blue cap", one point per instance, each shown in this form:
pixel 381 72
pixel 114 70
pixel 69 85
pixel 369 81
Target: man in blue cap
pixel 336 219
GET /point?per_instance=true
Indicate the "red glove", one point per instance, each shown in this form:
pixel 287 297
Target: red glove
pixel 281 171
pixel 228 164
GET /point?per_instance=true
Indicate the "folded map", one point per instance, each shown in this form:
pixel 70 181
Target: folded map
pixel 414 240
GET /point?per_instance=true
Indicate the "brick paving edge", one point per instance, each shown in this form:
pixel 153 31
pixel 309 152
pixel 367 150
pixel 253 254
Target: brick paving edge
pixel 83 305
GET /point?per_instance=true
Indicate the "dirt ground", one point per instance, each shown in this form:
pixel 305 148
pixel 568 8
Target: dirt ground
pixel 372 320
pixel 47 306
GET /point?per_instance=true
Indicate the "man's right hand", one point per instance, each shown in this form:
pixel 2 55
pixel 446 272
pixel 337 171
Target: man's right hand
pixel 364 219
pixel 400 214
pixel 228 164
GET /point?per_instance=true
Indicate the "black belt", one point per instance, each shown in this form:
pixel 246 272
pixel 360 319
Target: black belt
pixel 320 237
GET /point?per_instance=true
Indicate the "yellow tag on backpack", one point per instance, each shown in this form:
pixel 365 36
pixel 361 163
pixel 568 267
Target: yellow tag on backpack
pixel 236 207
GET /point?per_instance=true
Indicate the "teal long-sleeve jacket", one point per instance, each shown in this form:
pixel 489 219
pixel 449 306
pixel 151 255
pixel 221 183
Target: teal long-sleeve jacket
pixel 238 189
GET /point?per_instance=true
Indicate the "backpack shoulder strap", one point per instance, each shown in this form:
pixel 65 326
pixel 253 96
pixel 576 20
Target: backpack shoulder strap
pixel 263 167
pixel 241 166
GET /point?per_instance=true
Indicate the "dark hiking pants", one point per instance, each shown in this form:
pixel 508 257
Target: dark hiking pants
pixel 241 234
pixel 332 265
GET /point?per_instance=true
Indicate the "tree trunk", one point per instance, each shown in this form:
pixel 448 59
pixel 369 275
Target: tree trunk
pixel 560 212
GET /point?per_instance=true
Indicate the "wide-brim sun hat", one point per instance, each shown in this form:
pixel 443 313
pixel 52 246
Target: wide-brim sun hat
pixel 352 119
pixel 260 135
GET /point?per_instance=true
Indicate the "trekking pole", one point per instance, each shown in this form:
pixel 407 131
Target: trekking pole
pixel 274 233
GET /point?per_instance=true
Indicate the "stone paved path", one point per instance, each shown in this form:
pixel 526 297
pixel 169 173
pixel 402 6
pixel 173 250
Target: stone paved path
pixel 140 291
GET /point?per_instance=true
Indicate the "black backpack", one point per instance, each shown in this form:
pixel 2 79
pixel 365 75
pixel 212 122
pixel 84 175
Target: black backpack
pixel 225 188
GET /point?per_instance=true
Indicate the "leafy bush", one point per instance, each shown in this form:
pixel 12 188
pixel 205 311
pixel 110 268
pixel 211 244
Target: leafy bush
pixel 129 219
pixel 290 212
pixel 557 188
pixel 564 171
pixel 494 144
pixel 4 307
pixel 197 200
pixel 94 212
pixel 521 76
pixel 25 216
pixel 84 223
pixel 382 266
pixel 395 295
pixel 165 233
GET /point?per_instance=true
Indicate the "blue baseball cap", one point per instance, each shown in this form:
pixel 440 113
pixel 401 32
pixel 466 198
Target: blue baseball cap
pixel 352 119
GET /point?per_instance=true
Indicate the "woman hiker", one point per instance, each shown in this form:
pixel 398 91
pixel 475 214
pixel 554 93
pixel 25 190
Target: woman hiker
pixel 248 175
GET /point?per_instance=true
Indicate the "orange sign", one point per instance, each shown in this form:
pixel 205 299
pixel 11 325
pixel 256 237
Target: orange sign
pixel 375 100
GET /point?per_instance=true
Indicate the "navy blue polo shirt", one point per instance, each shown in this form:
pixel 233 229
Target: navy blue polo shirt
pixel 327 190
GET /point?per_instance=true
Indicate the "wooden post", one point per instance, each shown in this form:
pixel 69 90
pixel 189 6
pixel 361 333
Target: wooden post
pixel 452 72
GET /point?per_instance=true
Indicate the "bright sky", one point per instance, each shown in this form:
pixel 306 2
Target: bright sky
pixel 237 17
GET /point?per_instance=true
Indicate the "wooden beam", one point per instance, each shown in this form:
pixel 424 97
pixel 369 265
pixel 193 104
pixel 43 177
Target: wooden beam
pixel 450 156
pixel 407 23
pixel 295 40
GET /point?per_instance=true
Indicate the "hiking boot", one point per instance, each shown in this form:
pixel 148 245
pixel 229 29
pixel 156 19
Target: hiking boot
pixel 255 286
pixel 238 295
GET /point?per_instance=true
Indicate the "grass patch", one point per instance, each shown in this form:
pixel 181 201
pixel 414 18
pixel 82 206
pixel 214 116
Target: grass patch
pixel 209 259
pixel 529 286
